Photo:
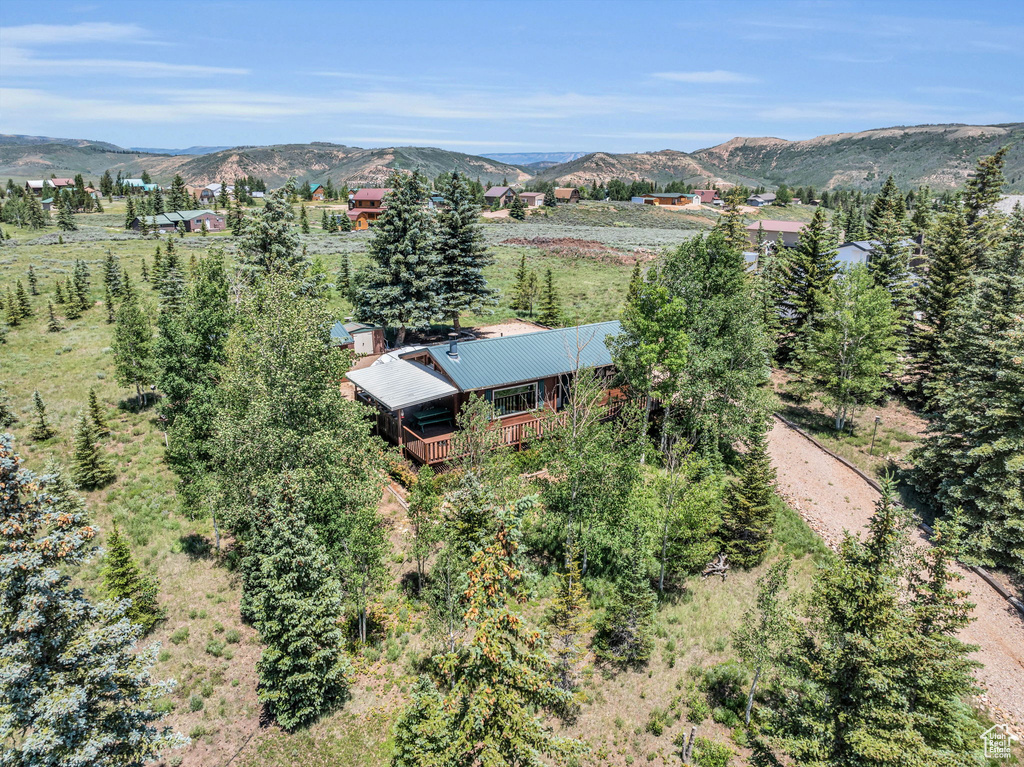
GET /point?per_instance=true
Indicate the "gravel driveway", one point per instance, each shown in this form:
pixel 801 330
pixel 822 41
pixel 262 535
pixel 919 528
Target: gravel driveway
pixel 832 498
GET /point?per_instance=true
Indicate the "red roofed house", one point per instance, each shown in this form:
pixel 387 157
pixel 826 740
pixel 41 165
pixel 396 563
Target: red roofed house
pixel 707 196
pixel 60 183
pixel 365 207
pixel 790 231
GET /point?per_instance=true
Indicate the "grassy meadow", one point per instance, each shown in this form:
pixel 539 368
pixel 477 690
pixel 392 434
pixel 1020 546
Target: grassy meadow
pixel 629 717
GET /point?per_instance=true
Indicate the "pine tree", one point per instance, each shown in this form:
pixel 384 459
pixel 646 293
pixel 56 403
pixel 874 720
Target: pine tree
pixel 7 415
pixel 890 204
pixel 65 213
pixel 158 266
pixel 41 429
pixel 303 221
pixel 129 213
pixel 133 347
pixel 972 456
pixel 23 301
pixel 53 325
pixel 345 276
pixel 75 688
pixel 12 312
pixel 124 579
pixel 89 469
pixel 889 264
pixel 324 225
pixel 944 283
pixel 178 197
pixel 72 307
pixel 58 293
pixel 344 223
pixel 809 270
pixel 625 635
pixel 108 301
pixel 112 273
pixel 172 283
pixel 921 220
pixel 35 216
pixel 303 669
pixel 856 228
pixel 874 688
pixel 550 200
pixel 567 625
pixel 268 242
pixel 493 688
pixel 984 190
pixel 33 285
pixel 550 310
pixel 461 253
pixel 519 299
pixel 517 209
pixel 749 516
pixel 145 272
pixel 731 224
pixel 96 414
pixel 400 289
pixel 82 285
pixel 421 735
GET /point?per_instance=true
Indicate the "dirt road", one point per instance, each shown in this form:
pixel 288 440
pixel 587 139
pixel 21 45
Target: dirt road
pixel 832 498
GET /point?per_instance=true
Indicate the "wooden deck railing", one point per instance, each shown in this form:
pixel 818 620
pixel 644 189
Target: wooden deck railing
pixel 516 432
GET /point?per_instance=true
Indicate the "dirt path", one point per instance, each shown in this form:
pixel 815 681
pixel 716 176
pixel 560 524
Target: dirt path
pixel 832 498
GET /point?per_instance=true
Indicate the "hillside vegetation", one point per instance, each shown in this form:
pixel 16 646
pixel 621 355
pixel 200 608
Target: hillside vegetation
pixel 940 156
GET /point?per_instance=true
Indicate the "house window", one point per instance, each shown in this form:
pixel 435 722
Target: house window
pixel 515 399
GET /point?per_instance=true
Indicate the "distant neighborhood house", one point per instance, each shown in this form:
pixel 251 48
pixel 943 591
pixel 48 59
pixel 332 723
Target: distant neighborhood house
pixel 38 186
pixel 567 194
pixel 770 231
pixel 191 220
pixel 532 199
pixel 665 198
pixel 502 196
pixel 760 200
pixel 211 192
pixel 365 206
pixel 708 196
pixel 317 191
pixel 418 393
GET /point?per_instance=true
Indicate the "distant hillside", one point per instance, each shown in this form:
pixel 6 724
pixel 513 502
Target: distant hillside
pixel 938 155
pixel 24 161
pixel 189 150
pixel 666 165
pixel 14 139
pixel 533 158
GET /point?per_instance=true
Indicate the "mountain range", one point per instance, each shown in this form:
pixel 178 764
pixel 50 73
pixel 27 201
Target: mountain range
pixel 941 156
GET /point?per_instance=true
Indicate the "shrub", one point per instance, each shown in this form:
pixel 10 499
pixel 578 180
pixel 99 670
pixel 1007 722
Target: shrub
pixel 232 636
pixel 180 635
pixel 215 647
pixel 708 753
pixel 206 688
pixel 725 685
pixel 164 656
pixel 393 652
pixel 195 703
pixel 697 708
pixel 657 722
pixel 403 474
pixel 725 716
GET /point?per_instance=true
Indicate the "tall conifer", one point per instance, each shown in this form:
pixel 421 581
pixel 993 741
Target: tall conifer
pixel 749 516
pixel 124 579
pixel 461 252
pixel 41 429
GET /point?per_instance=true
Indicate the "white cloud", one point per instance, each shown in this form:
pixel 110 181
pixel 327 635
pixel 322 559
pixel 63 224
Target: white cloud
pixel 86 32
pixel 18 61
pixel 715 76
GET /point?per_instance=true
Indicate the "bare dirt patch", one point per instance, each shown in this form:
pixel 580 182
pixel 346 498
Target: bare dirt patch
pixel 507 328
pixel 592 250
pixel 833 499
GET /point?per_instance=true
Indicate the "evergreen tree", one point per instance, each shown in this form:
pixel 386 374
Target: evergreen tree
pixel 53 325
pixel 75 690
pixel 625 635
pixel 421 737
pixel 345 284
pixel 158 266
pixel 41 429
pixel 550 310
pixel 494 686
pixel 96 413
pixel 58 293
pixel 178 198
pixel 145 271
pixel 344 223
pixel 889 264
pixel 89 469
pixel 268 242
pixel 12 312
pixel 303 221
pixel 855 226
pixel 889 204
pixel 921 220
pixel 517 209
pixel 35 216
pixel 33 285
pixel 567 625
pixel 550 200
pixel 519 300
pixel 129 213
pixel 749 516
pixel 112 273
pixel 108 301
pixel 124 579
pixel 400 289
pixel 944 283
pixel 133 347
pixel 303 669
pixel 875 688
pixel 810 268
pixel 7 415
pixel 72 309
pixel 82 285
pixel 730 223
pixel 984 190
pixel 461 253
pixel 23 301
pixel 972 455
pixel 324 224
pixel 852 347
pixel 158 202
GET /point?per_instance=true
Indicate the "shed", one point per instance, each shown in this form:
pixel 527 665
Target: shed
pixel 358 336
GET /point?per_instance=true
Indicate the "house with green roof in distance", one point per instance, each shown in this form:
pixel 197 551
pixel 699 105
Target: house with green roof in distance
pixel 417 394
pixel 190 220
pixel 317 192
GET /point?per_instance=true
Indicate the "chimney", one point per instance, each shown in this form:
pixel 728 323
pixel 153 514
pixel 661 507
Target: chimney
pixel 453 345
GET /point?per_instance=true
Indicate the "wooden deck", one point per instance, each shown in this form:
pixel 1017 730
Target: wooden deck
pixel 433 445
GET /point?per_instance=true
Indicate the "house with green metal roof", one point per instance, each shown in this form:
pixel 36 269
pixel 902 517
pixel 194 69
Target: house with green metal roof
pixel 190 220
pixel 527 378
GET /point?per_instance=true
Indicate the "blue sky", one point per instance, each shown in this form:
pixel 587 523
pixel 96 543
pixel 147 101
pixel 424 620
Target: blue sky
pixel 495 76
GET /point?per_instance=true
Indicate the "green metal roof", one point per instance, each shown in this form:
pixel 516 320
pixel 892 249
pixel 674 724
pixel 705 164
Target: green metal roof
pixel 490 362
pixel 176 216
